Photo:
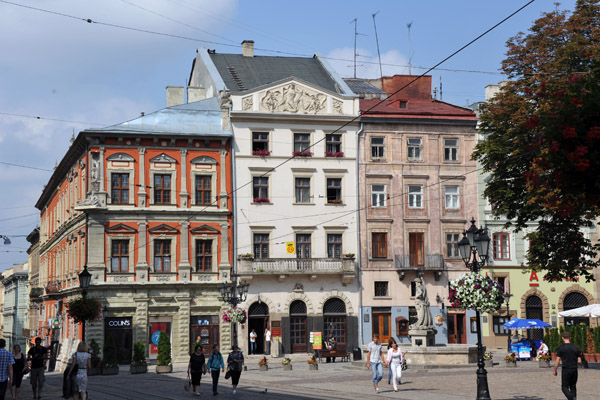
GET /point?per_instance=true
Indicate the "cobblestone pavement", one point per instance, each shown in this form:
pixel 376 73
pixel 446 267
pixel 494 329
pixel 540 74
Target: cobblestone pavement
pixel 334 381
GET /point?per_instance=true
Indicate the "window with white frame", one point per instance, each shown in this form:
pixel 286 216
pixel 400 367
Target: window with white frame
pixel 260 189
pixel 334 245
pixel 333 143
pixel 378 195
pixel 162 255
pixel 119 188
pixel 377 147
pixel 415 196
pixel 203 255
pixel 451 197
pixel 261 245
pixel 301 142
pixel 162 189
pixel 450 149
pixel 415 147
pixel 119 256
pixel 302 190
pixel 260 141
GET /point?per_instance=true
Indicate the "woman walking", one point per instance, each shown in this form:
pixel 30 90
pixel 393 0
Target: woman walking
pixel 196 367
pixel 18 371
pixel 391 341
pixel 215 363
pixel 82 359
pixel 234 364
pixel 394 359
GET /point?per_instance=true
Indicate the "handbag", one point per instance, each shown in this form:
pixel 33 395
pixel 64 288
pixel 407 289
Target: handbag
pixel 404 365
pixel 204 369
pixel 187 384
pixel 228 374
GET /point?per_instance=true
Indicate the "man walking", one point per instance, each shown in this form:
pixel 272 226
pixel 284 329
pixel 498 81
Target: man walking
pixel 37 356
pixel 6 368
pixel 569 355
pixel 268 341
pixel 375 361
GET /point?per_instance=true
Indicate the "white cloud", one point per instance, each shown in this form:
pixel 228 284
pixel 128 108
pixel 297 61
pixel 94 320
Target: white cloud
pixel 367 64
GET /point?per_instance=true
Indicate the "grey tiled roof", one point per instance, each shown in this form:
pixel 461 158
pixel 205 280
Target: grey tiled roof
pixel 246 73
pixel 360 86
pixel 197 118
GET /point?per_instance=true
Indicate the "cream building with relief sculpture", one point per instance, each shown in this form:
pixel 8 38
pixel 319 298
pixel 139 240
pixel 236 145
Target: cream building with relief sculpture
pixel 144 204
pixel 295 178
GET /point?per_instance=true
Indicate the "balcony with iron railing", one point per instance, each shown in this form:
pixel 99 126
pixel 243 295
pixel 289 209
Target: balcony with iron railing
pixel 283 267
pixel 414 262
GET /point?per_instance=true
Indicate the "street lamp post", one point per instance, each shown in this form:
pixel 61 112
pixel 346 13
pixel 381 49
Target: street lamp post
pixel 507 296
pixel 234 293
pixel 474 247
pixel 84 283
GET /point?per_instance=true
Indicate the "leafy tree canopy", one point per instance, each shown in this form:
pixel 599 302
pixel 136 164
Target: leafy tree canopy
pixel 542 139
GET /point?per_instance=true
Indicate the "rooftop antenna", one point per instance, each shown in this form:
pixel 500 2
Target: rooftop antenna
pixel 440 88
pixel 355 35
pixel 409 26
pixel 378 52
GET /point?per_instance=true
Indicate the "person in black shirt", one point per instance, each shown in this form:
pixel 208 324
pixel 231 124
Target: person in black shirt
pixel 37 356
pixel 569 355
pixel 197 366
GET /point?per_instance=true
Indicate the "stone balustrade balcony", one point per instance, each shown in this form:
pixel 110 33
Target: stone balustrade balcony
pixel 427 262
pixel 283 267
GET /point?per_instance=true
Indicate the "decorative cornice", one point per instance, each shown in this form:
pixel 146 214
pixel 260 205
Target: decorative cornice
pixel 204 160
pixel 120 157
pixel 163 158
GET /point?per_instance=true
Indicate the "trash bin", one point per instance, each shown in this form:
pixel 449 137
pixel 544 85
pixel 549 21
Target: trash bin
pixel 357 354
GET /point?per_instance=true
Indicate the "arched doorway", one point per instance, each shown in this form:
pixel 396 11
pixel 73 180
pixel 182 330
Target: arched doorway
pixel 534 309
pixel 258 319
pixel 334 319
pixel 575 300
pixel 298 337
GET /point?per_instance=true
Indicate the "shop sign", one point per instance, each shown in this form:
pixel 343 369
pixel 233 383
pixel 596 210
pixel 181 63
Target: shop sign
pixel 533 279
pixel 317 340
pixel 118 323
pixel 276 332
pixel 55 324
pixel 291 249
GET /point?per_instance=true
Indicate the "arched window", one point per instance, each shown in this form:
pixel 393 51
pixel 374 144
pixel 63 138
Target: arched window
pixel 534 310
pixel 575 300
pixel 258 310
pixel 334 319
pixel 298 326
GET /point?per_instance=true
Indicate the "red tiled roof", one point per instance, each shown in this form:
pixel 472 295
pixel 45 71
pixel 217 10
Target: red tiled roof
pixel 429 109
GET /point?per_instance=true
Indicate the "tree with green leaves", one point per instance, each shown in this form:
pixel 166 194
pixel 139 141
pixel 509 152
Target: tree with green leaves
pixel 542 139
pixel 164 350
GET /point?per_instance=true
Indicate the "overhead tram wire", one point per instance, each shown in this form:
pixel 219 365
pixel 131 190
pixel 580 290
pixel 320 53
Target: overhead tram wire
pixel 49 119
pixel 353 120
pixel 25 166
pixel 91 21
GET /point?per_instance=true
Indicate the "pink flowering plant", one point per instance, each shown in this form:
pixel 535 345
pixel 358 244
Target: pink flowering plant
pixel 334 154
pixel 476 292
pixel 234 314
pixel 303 153
pixel 261 153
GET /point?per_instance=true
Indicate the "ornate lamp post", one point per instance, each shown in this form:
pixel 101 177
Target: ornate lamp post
pixel 507 296
pixel 234 293
pixel 474 248
pixel 6 240
pixel 84 283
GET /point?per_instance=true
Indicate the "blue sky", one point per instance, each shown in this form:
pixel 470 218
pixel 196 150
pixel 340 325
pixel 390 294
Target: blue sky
pixel 63 68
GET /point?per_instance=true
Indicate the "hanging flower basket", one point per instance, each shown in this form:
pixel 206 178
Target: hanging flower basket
pixel 476 292
pixel 84 309
pixel 234 314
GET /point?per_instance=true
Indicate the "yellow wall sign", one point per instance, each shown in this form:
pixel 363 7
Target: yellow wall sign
pixel 291 249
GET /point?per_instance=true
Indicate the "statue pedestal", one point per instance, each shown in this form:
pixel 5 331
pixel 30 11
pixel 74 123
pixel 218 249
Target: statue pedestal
pixel 422 336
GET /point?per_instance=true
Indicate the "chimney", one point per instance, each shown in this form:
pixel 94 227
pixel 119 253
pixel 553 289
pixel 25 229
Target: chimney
pixel 174 95
pixel 248 48
pixel 195 94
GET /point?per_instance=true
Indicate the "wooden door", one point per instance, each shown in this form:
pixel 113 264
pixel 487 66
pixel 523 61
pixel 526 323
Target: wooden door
pixel 456 328
pixel 382 326
pixel 298 334
pixel 416 246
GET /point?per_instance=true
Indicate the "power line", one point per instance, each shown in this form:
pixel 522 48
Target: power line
pixel 20 216
pixel 49 119
pixel 91 21
pixel 25 166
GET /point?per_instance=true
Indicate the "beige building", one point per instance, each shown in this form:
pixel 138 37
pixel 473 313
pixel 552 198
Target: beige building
pixel 418 190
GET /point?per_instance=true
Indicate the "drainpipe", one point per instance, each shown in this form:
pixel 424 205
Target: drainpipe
pixel 233 204
pixel 358 247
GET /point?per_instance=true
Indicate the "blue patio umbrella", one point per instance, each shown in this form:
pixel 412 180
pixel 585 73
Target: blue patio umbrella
pixel 518 323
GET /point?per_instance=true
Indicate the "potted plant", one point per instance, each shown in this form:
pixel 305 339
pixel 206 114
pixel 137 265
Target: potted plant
pixel 95 359
pixel 138 363
pixel 84 309
pixel 544 360
pixel 487 359
pixel 263 364
pixel 596 336
pixel 511 360
pixel 110 364
pixel 313 365
pixel 348 256
pixel 235 315
pixel 261 153
pixel 590 356
pixel 304 153
pixel 287 364
pixel 476 292
pixel 247 256
pixel 163 359
pixel 261 200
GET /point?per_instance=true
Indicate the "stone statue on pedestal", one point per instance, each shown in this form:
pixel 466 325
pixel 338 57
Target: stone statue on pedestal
pixel 424 318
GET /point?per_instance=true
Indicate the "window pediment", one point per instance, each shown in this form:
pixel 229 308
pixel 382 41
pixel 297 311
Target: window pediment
pixel 163 228
pixel 204 229
pixel 204 160
pixel 163 158
pixel 120 157
pixel 120 228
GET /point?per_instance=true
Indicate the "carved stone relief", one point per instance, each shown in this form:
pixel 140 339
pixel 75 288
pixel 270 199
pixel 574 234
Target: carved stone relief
pixel 294 99
pixel 247 103
pixel 338 107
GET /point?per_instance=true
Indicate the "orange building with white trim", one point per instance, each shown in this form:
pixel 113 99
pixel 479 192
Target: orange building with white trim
pixel 145 206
